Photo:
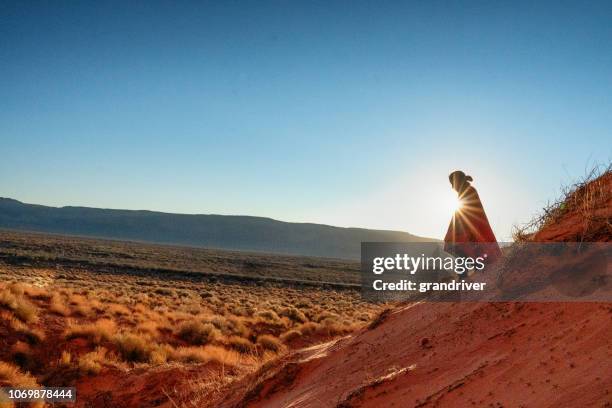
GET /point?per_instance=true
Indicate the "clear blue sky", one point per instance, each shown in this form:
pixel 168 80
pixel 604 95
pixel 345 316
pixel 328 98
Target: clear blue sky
pixel 347 113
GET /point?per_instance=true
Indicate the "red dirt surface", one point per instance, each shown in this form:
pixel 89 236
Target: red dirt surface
pixel 455 355
pixel 140 387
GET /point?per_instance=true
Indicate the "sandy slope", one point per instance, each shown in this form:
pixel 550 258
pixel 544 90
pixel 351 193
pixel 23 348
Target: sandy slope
pixel 511 355
pixel 462 354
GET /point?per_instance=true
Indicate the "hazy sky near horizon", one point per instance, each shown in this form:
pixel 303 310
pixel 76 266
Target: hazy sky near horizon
pixel 348 113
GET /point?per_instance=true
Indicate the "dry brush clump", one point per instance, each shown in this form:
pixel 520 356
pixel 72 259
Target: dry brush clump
pixel 31 335
pixel 14 299
pixel 198 333
pixel 96 332
pixel 13 376
pixel 588 200
pixel 241 344
pixel 270 343
pixel 90 363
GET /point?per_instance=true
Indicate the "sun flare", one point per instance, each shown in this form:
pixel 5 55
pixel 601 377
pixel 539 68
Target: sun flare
pixel 457 204
pixel 448 203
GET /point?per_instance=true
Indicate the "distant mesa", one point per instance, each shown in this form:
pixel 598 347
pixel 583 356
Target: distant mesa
pixel 211 231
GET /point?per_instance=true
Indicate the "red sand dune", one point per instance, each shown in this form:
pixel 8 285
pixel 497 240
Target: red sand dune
pixel 455 355
pixel 461 354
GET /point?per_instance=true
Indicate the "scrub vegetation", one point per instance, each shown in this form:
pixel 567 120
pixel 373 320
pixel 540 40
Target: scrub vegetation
pixel 67 318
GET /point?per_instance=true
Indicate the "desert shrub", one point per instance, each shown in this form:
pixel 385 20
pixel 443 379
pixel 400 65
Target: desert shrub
pixel 21 354
pixel 65 360
pixel 325 315
pixel 291 335
pixel 364 317
pixel 586 197
pixel 193 309
pixel 206 354
pixel 97 306
pixel 183 293
pixel 237 327
pixel 238 310
pixel 101 330
pixel 92 363
pixel 81 310
pixel 161 354
pixel 34 292
pixel 308 328
pixel 148 327
pixel 268 315
pixel 164 326
pixel 303 304
pixel 214 301
pixel 230 326
pixel 32 335
pixel 333 327
pixel 12 299
pixel 76 299
pixel 164 292
pixel 57 305
pixel 133 348
pixel 197 333
pixel 16 288
pixel 249 309
pixel 294 314
pixel 269 342
pixel 240 344
pixel 117 310
pixel 190 355
pixel 218 321
pixel 12 376
pixel 141 307
pixel 88 366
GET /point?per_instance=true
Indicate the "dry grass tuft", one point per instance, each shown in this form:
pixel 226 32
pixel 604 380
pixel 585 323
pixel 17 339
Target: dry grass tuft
pixel 58 306
pixel 194 354
pixel 91 363
pixel 13 299
pixel 270 343
pixel 585 197
pixel 133 347
pixel 12 376
pixel 269 316
pixel 65 360
pixel 198 333
pixel 21 354
pixel 32 335
pixel 290 336
pixel 308 328
pixel 294 314
pixel 101 330
pixel 240 344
